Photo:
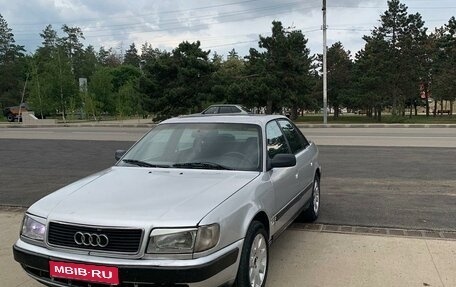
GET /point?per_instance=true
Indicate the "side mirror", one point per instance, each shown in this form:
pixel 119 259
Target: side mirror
pixel 120 153
pixel 283 160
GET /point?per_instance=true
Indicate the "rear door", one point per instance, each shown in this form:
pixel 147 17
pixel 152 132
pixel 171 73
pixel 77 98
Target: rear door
pixel 304 156
pixel 284 180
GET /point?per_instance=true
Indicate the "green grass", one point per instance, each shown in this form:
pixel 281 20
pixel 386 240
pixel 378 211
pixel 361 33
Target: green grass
pixel 386 119
pixel 318 119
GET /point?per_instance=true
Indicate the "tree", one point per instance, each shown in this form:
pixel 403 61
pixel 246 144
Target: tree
pixel 41 91
pixel 49 44
pixel 405 37
pixel 109 58
pixel 127 75
pixel 283 68
pixel 444 75
pixel 371 78
pixel 131 56
pixel 12 66
pixel 53 85
pixel 123 75
pixel 415 67
pixel 177 82
pixel 228 80
pixel 339 76
pixel 73 48
pixel 148 53
pixel 88 62
pixel 128 100
pixel 101 93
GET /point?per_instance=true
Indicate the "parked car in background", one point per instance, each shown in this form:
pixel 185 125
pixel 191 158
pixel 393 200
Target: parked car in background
pixel 15 112
pixel 226 109
pixel 196 202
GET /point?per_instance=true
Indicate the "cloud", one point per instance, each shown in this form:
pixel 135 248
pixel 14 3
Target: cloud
pixel 219 25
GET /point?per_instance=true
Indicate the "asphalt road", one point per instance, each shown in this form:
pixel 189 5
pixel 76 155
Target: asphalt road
pixel 400 187
pixel 392 136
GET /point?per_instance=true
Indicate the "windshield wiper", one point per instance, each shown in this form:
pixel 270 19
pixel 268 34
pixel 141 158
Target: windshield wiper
pixel 201 165
pixel 143 163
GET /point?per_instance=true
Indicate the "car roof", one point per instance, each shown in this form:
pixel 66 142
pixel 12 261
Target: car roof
pixel 225 118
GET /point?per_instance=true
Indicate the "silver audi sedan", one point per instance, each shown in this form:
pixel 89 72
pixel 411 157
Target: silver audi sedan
pixel 196 202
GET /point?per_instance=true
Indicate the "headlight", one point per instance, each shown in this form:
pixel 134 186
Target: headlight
pixel 172 240
pixel 33 229
pixel 181 241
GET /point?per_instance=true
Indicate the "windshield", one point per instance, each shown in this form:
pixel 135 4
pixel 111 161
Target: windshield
pixel 198 146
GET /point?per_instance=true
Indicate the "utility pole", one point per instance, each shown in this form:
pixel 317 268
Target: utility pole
pixel 22 100
pixel 325 83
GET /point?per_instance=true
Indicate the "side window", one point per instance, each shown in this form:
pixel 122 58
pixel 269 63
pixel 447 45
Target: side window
pixel 276 142
pixel 295 138
pixel 225 110
pixel 211 110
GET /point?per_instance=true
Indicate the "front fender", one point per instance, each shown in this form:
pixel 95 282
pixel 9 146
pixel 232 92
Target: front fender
pixel 237 212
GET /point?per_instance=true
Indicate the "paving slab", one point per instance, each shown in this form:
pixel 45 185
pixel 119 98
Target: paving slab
pixel 310 258
pixel 328 259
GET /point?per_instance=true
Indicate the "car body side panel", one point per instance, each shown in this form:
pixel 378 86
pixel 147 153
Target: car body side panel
pixel 239 210
pixel 306 160
pixel 286 189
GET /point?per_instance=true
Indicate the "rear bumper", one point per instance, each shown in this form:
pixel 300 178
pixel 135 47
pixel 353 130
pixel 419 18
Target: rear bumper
pixel 212 272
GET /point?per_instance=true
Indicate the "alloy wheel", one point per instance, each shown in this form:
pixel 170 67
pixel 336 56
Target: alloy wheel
pixel 258 261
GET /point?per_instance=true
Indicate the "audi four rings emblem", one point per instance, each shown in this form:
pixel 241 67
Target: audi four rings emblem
pixel 91 239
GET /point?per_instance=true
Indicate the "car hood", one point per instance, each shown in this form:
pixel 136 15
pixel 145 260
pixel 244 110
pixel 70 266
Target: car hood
pixel 142 197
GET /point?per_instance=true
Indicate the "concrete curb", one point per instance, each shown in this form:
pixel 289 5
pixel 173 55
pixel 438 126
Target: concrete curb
pixel 18 126
pixel 299 125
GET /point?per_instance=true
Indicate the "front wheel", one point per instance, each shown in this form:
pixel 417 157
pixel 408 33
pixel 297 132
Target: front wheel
pixel 253 265
pixel 10 118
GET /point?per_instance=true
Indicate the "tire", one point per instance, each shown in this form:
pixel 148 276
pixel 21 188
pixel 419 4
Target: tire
pixel 312 212
pixel 254 262
pixel 10 118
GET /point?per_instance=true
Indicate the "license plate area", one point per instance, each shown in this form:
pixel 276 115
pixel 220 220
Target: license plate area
pixel 84 272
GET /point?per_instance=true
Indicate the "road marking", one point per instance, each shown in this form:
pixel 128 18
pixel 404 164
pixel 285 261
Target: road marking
pixel 98 133
pixel 36 132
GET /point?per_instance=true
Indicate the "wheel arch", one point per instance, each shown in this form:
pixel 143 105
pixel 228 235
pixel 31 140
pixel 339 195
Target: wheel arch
pixel 318 172
pixel 263 218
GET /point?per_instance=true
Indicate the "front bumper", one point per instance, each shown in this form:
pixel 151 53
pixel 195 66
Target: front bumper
pixel 214 270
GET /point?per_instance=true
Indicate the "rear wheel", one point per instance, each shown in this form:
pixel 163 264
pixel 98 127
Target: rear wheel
pixel 253 266
pixel 313 211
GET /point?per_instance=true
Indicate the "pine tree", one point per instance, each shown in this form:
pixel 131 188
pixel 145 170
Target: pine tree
pixel 12 66
pixel 131 56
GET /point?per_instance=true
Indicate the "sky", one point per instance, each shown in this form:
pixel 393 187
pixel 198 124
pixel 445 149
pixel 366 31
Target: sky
pixel 220 25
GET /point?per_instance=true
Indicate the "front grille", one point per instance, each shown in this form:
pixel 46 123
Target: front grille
pixel 120 240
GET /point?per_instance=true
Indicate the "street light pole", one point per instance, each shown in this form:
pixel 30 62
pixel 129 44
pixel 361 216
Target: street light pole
pixel 325 84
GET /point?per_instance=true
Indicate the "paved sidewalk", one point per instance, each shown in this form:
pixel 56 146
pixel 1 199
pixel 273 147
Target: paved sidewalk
pixel 307 258
pixel 138 123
